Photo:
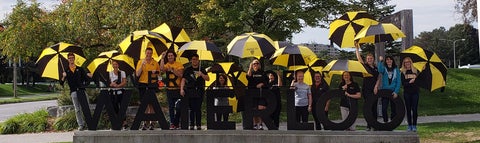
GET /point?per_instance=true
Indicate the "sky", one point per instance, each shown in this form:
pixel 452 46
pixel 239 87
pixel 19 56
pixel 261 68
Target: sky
pixel 427 15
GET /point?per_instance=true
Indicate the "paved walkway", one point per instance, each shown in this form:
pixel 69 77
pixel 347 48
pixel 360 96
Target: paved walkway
pixel 68 136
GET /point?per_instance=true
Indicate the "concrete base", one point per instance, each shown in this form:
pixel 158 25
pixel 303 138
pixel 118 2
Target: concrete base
pixel 244 136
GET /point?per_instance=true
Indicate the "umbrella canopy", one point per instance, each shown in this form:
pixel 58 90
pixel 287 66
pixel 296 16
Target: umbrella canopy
pixel 205 50
pixel 343 30
pixel 251 45
pixel 433 73
pixel 354 67
pixel 175 36
pixel 309 69
pixel 136 44
pixel 293 55
pixel 101 65
pixel 280 44
pixel 381 32
pixel 53 60
pixel 229 68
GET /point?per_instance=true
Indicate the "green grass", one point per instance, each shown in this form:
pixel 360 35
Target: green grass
pixel 6 90
pixel 449 132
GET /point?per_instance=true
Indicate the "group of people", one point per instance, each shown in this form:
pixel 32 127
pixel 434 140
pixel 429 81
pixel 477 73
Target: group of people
pixel 191 81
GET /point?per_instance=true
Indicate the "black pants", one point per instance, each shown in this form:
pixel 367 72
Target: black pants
pixel 276 114
pixel 195 111
pixel 411 103
pixel 385 102
pixel 301 114
pixel 374 107
pixel 116 100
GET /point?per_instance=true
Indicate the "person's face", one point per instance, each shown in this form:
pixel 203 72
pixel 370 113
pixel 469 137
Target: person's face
pixel 115 65
pixel 170 57
pixel 195 61
pixel 71 59
pixel 346 76
pixel 300 76
pixel 271 77
pixel 256 65
pixel 407 63
pixel 317 77
pixel 148 54
pixel 221 80
pixel 370 60
pixel 389 61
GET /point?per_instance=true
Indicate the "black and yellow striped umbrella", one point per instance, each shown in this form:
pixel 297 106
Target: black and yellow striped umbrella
pixel 175 36
pixel 381 32
pixel 101 65
pixel 339 66
pixel 205 50
pixel 251 45
pixel 53 60
pixel 343 30
pixel 309 70
pixel 293 55
pixel 136 44
pixel 433 73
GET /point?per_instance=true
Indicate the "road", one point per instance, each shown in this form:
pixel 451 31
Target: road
pixel 10 110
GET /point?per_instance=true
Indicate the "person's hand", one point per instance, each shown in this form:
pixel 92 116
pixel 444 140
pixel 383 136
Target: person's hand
pixel 375 90
pixel 346 93
pixel 182 92
pixel 309 108
pixel 259 85
pixel 64 74
pixel 380 58
pixel 394 95
pixel 89 75
pixel 412 80
pixel 261 107
pixel 344 87
pixel 113 84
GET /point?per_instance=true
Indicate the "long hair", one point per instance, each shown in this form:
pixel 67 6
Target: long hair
pixel 404 70
pixel 343 80
pixel 393 62
pixel 217 82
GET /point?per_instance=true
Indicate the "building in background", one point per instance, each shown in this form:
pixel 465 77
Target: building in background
pixel 322 50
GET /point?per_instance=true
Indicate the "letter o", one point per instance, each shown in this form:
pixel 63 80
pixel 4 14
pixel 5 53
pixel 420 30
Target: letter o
pixel 372 121
pixel 327 123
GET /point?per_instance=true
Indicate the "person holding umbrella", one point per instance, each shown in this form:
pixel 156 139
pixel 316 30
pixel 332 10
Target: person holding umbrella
pixel 410 92
pixel 174 71
pixel 77 79
pixel 273 84
pixel 144 66
pixel 370 84
pixel 193 84
pixel 118 80
pixel 391 79
pixel 257 79
pixel 352 92
pixel 319 87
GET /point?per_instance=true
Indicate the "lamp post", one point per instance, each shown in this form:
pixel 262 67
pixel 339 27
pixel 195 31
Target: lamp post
pixel 454 58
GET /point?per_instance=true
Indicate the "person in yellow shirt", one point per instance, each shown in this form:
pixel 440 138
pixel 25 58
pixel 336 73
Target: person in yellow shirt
pixel 174 71
pixel 144 66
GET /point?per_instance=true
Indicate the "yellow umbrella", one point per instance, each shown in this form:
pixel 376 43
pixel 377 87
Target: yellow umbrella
pixel 381 32
pixel 176 37
pixel 205 50
pixel 53 60
pixel 101 65
pixel 135 44
pixel 309 69
pixel 292 55
pixel 343 30
pixel 354 67
pixel 251 45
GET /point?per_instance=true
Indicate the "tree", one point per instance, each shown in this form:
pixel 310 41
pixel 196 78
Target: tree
pixel 468 10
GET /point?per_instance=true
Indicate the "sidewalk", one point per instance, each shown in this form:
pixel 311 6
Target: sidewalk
pixel 68 136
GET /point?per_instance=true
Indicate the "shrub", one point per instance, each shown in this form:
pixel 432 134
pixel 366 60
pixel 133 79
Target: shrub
pixel 67 122
pixel 26 123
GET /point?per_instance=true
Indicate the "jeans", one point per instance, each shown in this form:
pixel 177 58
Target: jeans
pixel 195 111
pixel 171 98
pixel 411 103
pixel 78 109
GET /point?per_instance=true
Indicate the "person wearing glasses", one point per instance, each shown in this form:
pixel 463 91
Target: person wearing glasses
pixel 410 92
pixel 257 79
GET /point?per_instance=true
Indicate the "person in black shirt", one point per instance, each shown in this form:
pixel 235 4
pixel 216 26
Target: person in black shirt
pixel 410 92
pixel 352 93
pixel 257 79
pixel 274 81
pixel 193 84
pixel 370 84
pixel 77 79
pixel 319 87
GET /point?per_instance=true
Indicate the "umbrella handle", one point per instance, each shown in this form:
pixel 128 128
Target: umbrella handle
pixel 61 63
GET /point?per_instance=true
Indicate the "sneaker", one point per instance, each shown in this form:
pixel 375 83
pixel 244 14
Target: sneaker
pixel 255 127
pixel 81 128
pixel 409 128
pixel 414 128
pixel 192 128
pixel 260 127
pixel 125 127
pixel 151 127
pixel 172 127
pixel 199 128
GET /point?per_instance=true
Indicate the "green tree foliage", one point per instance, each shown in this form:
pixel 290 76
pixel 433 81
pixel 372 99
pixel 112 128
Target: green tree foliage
pixel 441 41
pixel 26 31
